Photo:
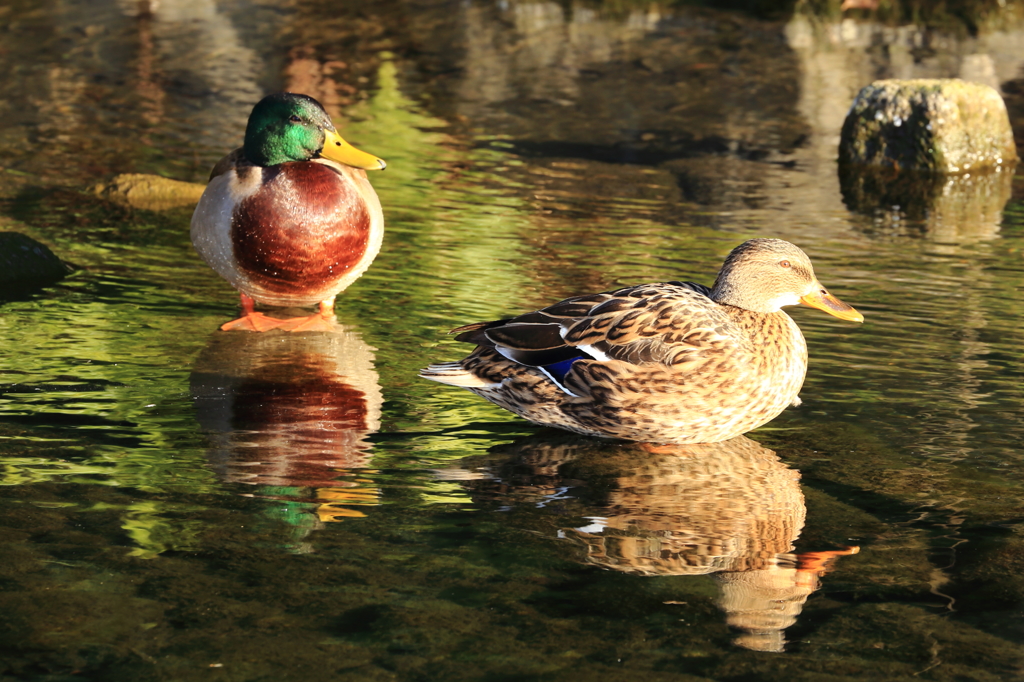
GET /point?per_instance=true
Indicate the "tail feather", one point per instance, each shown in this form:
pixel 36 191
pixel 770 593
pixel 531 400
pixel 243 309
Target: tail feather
pixel 454 374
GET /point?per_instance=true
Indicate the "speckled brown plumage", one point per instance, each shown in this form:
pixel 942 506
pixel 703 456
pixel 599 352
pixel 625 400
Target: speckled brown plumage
pixel 666 362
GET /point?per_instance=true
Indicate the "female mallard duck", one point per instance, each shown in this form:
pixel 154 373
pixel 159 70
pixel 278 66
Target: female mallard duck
pixel 672 362
pixel 290 218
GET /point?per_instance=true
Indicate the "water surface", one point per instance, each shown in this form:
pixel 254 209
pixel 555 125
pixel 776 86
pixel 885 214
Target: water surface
pixel 183 503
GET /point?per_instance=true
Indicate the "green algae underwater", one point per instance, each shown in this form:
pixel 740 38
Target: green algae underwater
pixel 180 503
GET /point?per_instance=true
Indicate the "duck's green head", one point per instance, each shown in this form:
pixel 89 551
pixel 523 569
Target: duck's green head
pixel 289 127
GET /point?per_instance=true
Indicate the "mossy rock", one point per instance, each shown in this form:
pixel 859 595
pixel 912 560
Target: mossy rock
pixel 26 263
pixel 934 125
pixel 149 192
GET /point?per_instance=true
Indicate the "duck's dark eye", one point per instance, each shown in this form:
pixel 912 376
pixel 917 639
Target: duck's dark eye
pixel 294 119
pixel 784 264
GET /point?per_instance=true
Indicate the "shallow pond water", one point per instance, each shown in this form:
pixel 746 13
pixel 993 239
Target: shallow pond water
pixel 182 503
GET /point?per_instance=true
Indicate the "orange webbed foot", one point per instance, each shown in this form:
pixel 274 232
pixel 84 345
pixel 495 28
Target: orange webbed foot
pixel 310 323
pixel 253 322
pixel 323 321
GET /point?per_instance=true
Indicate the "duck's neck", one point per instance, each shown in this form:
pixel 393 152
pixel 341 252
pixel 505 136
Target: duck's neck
pixel 727 293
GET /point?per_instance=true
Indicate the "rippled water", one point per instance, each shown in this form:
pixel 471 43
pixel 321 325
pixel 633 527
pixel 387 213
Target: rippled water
pixel 183 503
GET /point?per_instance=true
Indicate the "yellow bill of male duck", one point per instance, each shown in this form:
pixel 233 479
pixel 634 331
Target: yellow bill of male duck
pixel 669 362
pixel 290 218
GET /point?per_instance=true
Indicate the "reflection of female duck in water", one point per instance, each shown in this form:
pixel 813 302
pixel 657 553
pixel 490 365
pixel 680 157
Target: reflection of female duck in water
pixel 291 410
pixel 730 509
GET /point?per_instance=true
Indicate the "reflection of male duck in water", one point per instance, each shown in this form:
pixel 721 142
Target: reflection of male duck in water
pixel 291 411
pixel 730 509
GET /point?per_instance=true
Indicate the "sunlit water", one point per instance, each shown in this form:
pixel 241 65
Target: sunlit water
pixel 183 503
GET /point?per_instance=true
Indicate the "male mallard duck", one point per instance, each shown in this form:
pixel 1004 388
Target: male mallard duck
pixel 672 362
pixel 290 218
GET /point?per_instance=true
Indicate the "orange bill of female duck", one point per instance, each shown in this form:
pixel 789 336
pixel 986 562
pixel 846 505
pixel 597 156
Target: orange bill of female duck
pixel 290 219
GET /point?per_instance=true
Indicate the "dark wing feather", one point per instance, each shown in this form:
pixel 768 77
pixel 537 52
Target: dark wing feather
pixel 540 358
pixel 577 306
pixel 476 332
pixel 699 288
pixel 570 308
pixel 612 305
pixel 529 336
pixel 233 161
pixel 664 323
pixel 670 323
pixel 537 316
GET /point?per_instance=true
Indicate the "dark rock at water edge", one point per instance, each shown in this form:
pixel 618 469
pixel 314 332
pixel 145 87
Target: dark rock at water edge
pixel 27 264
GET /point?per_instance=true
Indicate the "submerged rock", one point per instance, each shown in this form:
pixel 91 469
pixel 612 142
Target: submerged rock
pixel 149 192
pixel 936 125
pixel 26 263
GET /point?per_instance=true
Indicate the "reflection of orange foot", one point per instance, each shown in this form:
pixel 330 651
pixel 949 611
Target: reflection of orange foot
pixel 328 513
pixel 336 503
pixel 820 562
